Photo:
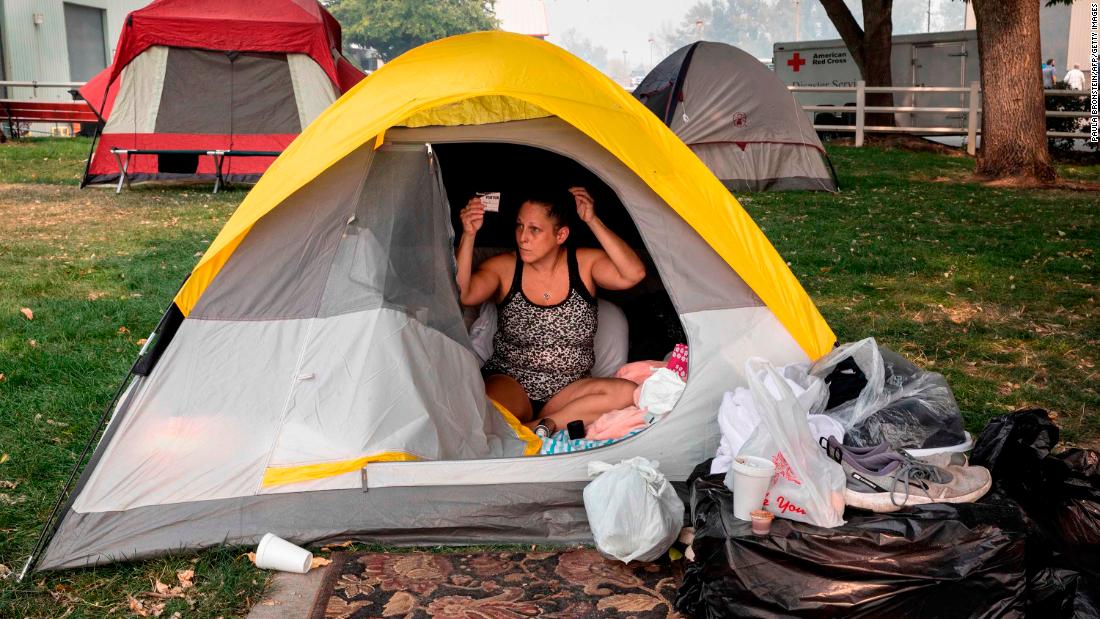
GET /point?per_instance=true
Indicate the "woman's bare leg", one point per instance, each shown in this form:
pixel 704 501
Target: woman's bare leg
pixel 511 395
pixel 587 399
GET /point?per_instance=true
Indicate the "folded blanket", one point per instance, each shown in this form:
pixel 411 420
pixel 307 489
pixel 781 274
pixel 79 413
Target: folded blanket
pixel 617 423
pixel 560 443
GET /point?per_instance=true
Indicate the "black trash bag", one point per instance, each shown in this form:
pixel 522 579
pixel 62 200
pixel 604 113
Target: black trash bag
pixel 928 561
pixel 880 397
pixel 1061 497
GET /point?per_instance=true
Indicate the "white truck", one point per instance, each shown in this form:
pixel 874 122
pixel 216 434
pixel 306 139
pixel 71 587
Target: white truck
pixel 929 59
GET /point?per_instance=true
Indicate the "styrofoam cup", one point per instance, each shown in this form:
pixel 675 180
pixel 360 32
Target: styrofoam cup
pixel 751 478
pixel 275 553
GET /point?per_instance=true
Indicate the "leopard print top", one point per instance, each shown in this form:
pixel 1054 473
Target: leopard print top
pixel 545 347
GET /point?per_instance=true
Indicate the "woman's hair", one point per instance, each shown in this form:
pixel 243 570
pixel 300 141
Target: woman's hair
pixel 559 204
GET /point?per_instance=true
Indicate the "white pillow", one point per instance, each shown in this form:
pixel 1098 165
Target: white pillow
pixel 611 345
pixel 483 330
pixel 612 339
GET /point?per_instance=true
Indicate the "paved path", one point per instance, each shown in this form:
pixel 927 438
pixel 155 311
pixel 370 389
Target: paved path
pixel 289 596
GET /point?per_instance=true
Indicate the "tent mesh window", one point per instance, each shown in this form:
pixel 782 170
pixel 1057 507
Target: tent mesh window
pixel 517 171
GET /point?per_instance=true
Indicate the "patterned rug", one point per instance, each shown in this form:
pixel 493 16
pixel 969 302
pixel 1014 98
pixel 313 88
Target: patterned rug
pixel 495 585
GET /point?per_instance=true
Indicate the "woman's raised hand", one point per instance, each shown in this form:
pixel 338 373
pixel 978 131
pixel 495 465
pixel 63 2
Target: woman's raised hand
pixel 586 206
pixel 472 216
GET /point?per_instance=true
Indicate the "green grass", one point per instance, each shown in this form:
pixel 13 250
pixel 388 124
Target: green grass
pixel 995 288
pixel 44 160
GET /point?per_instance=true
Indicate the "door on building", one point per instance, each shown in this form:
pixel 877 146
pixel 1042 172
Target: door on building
pixel 940 64
pixel 86 41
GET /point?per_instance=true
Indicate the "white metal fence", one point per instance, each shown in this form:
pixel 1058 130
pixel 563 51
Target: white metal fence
pixel 861 109
pixel 972 111
pixel 6 86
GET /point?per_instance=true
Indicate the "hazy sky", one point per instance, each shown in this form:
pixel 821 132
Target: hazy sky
pixel 617 24
pixel 621 25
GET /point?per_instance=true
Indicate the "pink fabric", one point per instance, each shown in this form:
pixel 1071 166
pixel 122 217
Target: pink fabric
pixel 616 424
pixel 637 371
pixel 678 362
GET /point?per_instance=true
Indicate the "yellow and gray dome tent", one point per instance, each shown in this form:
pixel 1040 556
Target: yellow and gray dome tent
pixel 313 376
pixel 739 118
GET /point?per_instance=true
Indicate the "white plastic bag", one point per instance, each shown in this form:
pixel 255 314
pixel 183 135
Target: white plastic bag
pixel 866 355
pixel 808 485
pixel 633 511
pixel 737 416
pixel 660 393
pixel 901 404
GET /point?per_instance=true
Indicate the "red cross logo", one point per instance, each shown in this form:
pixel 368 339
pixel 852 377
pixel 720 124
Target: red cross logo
pixel 796 62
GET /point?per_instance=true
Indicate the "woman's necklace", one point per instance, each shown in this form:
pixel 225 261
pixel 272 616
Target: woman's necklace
pixel 553 270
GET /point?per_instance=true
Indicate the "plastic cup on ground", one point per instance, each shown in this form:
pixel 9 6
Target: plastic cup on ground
pixel 275 553
pixel 761 521
pixel 751 478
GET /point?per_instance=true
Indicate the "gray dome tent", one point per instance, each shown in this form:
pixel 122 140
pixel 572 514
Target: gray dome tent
pixel 739 118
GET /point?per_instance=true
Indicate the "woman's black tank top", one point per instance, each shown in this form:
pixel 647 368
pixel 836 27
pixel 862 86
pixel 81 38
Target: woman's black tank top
pixel 545 347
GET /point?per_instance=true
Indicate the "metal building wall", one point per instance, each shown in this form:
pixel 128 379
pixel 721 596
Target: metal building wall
pixel 40 52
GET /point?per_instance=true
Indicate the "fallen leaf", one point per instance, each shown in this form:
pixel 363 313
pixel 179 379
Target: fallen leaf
pixel 160 587
pixel 95 295
pixel 400 604
pixel 628 603
pixel 5 572
pixel 186 578
pixel 9 485
pixel 137 607
pixel 142 341
pixel 26 311
pixel 123 330
pixel 4 458
pixel 252 557
pixel 2 377
pixel 326 546
pixel 319 562
pixel 32 343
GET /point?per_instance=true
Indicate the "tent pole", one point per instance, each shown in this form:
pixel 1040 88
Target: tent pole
pixel 88 162
pixel 53 522
pixel 832 170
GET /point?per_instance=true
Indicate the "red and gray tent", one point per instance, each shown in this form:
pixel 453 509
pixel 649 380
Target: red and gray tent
pixel 196 76
pixel 739 118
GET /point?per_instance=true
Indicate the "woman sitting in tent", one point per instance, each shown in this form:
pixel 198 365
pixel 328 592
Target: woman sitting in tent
pixel 545 294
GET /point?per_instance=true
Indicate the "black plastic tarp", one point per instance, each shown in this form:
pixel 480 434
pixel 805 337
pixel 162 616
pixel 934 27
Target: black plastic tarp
pixel 1061 495
pixel 934 561
pixel 1029 548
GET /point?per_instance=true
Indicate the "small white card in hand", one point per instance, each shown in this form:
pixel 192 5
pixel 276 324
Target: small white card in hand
pixel 491 201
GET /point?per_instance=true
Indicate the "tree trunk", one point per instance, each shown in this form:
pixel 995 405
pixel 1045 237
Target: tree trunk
pixel 878 46
pixel 870 48
pixel 1014 143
